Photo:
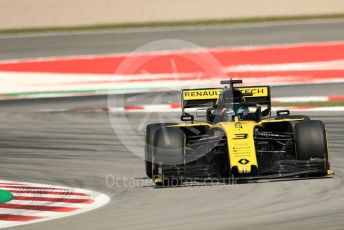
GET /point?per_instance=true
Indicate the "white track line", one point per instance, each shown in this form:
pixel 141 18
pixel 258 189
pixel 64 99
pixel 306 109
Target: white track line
pixel 323 65
pixel 44 203
pixel 23 188
pixel 301 99
pixel 66 196
pixel 22 212
pixel 315 109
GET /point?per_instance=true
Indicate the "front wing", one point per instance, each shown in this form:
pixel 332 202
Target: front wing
pixel 280 169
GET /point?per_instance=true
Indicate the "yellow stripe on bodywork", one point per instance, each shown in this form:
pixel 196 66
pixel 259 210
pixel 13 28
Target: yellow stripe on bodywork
pixel 261 123
pixel 241 148
pixel 192 124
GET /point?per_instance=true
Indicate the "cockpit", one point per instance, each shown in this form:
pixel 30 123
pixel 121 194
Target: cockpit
pixel 229 104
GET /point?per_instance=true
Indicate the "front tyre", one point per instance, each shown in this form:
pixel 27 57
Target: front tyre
pixel 168 158
pixel 149 138
pixel 311 142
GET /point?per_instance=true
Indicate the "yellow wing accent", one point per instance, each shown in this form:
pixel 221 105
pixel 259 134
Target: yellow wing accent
pixel 201 94
pixel 256 91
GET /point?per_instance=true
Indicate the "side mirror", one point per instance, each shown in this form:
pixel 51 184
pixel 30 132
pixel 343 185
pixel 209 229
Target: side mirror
pixel 283 112
pixel 201 112
pixel 187 117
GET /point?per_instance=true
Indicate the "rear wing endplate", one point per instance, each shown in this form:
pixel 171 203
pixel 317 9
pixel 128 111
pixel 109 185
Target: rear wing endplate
pixel 259 95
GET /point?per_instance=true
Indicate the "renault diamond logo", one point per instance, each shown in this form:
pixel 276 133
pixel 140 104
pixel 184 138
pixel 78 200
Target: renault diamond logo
pixel 244 161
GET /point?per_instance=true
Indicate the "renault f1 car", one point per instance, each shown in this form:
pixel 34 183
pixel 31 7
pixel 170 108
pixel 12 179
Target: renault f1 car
pixel 238 138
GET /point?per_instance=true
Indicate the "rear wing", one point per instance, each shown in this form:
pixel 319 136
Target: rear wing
pixel 193 99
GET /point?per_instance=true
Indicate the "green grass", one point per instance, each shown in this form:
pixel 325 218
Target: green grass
pixel 5 196
pixel 173 23
pixel 317 104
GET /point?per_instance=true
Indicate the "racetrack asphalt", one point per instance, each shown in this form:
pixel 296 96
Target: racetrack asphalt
pixel 84 150
pixel 123 41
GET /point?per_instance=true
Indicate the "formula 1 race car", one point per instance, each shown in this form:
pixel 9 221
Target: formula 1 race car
pixel 238 138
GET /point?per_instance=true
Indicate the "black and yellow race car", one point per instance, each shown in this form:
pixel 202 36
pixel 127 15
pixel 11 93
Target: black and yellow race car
pixel 238 138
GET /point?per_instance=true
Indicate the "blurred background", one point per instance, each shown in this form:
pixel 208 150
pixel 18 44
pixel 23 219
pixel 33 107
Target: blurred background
pixel 25 14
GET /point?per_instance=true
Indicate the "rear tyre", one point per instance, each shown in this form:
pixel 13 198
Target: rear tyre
pixel 149 138
pixel 169 147
pixel 311 142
